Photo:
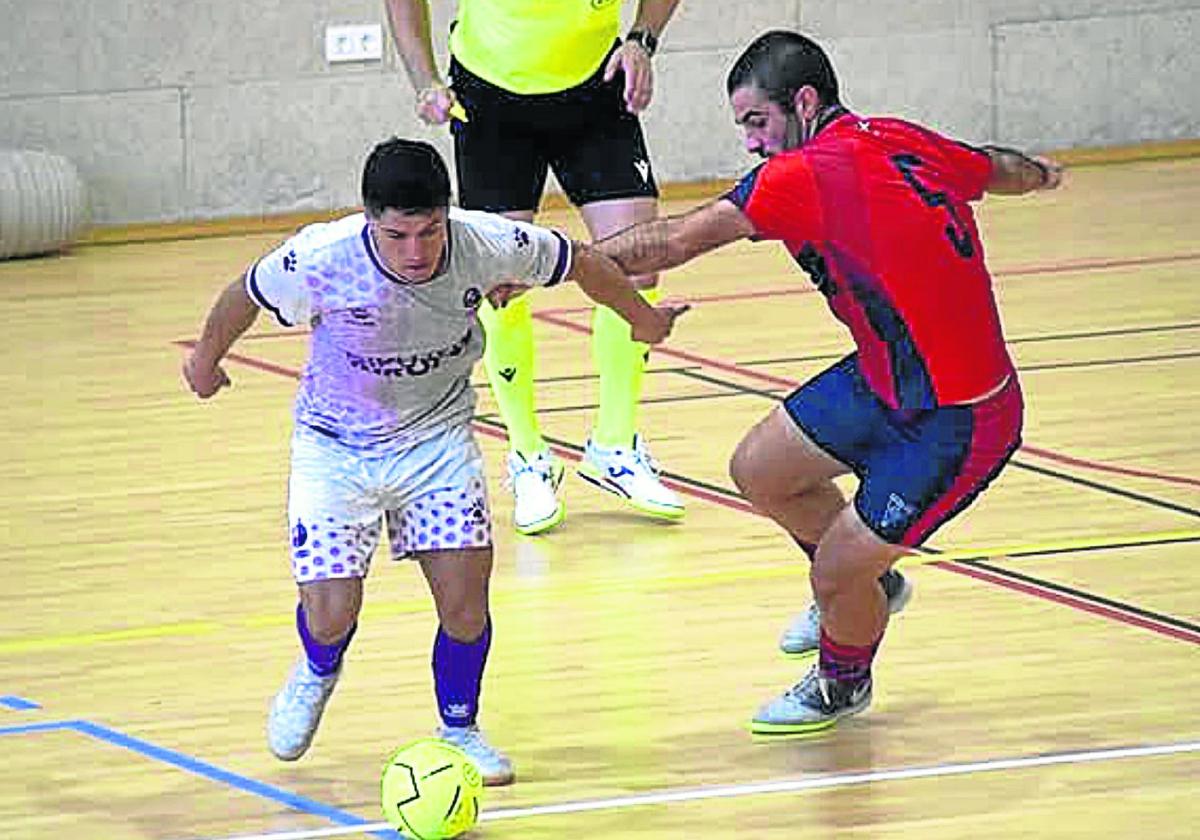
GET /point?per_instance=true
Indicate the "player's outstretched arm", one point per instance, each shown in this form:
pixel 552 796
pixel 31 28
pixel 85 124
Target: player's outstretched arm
pixel 410 31
pixel 603 281
pixel 1015 173
pixel 231 315
pixel 665 243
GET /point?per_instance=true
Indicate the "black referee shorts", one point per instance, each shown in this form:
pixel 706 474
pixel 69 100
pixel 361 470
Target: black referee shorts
pixel 584 134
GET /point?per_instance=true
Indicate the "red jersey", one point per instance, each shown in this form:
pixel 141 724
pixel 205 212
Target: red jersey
pixel 875 211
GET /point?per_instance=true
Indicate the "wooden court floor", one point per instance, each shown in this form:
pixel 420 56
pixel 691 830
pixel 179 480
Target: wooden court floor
pixel 1044 681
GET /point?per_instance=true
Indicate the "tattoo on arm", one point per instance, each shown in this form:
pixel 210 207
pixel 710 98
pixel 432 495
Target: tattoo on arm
pixel 640 249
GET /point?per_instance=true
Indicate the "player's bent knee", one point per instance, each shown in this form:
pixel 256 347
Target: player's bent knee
pixel 331 608
pixel 740 470
pixel 464 625
pixel 850 553
pixel 330 626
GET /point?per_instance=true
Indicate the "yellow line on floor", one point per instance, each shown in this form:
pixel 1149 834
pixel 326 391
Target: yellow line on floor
pixel 629 584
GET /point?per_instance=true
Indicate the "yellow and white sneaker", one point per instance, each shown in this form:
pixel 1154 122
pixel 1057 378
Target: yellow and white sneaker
pixel 633 475
pixel 534 482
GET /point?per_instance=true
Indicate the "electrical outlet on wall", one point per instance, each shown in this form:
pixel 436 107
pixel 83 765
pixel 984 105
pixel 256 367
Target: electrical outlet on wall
pixel 356 42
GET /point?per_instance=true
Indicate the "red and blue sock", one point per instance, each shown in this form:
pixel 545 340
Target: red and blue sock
pixel 845 663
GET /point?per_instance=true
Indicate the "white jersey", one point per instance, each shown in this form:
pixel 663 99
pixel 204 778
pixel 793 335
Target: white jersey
pixel 390 360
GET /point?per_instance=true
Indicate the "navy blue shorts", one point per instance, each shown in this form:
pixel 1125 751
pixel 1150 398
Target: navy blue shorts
pixel 916 468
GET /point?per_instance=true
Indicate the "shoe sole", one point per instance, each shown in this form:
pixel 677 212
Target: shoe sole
pixel 608 485
pixel 775 731
pixel 544 525
pixel 499 781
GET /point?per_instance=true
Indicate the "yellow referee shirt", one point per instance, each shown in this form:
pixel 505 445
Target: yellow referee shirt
pixel 534 46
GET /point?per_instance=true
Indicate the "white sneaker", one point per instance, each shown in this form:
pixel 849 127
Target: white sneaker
pixel 633 475
pixel 803 635
pixel 296 711
pixel 534 483
pixel 495 767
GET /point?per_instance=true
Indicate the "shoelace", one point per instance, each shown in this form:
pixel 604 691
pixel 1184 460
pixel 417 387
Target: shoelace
pixel 806 685
pixel 545 471
pixel 643 456
pixel 472 742
pixel 309 688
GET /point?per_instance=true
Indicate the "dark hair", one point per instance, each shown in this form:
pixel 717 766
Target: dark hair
pixel 408 176
pixel 779 63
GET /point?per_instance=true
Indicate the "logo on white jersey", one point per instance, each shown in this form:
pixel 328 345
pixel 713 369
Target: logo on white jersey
pixel 643 168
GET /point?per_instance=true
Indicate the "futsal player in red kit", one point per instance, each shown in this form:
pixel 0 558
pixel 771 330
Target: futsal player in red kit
pixel 926 411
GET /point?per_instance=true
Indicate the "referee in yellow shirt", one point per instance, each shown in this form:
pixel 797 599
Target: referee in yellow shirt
pixel 538 85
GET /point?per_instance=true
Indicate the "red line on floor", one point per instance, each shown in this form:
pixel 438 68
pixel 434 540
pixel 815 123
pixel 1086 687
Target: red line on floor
pixel 1058 457
pixel 1074 603
pixel 750 373
pixel 661 350
pixel 1015 271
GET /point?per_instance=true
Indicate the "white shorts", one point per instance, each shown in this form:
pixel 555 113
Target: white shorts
pixel 433 496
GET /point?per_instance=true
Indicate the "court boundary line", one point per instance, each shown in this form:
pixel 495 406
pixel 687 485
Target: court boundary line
pixel 203 769
pixel 18 704
pixel 794 785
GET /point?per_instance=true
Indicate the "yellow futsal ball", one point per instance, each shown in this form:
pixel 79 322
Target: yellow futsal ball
pixel 431 790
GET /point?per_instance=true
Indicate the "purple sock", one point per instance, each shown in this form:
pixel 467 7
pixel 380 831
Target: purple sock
pixel 323 659
pixel 458 675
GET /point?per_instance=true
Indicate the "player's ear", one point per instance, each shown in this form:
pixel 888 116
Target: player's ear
pixel 806 102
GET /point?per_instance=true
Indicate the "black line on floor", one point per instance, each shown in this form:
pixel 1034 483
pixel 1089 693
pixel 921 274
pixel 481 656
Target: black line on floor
pixel 1032 339
pixel 566 409
pixel 1084 595
pixel 736 387
pixel 1107 488
pixel 576 448
pixel 1130 360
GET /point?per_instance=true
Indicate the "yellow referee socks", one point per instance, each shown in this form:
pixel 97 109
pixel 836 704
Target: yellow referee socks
pixel 509 361
pixel 620 361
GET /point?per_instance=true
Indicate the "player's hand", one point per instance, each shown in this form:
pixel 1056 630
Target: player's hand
pixel 658 326
pixel 634 62
pixel 499 296
pixel 205 379
pixel 1053 172
pixel 434 104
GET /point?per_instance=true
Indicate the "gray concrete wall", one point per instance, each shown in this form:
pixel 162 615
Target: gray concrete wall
pixel 177 110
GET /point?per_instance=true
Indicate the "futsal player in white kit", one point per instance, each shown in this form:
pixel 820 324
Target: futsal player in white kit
pixel 382 416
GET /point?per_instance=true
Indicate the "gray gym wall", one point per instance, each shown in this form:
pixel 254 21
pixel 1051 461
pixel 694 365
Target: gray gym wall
pixel 178 110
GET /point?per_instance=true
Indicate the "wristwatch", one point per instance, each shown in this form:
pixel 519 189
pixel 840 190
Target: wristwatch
pixel 643 37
